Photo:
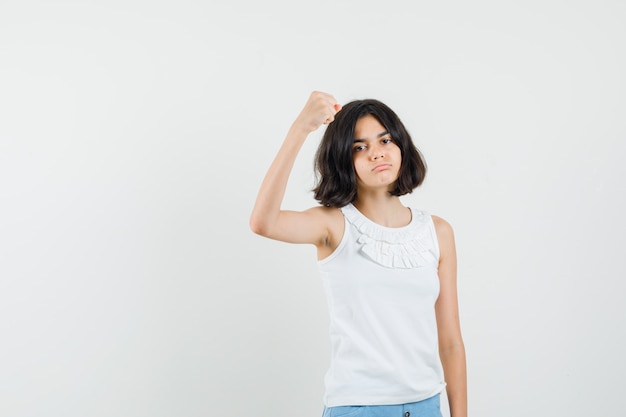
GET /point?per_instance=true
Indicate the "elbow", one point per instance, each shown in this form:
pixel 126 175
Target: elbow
pixel 455 347
pixel 258 226
pixel 263 224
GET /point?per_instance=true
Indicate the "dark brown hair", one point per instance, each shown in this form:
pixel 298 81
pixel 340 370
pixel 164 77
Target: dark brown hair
pixel 336 185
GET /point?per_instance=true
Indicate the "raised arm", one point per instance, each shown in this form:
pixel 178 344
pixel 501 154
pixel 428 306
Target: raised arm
pixel 267 218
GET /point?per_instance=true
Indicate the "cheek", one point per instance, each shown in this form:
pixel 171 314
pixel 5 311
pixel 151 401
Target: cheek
pixel 398 154
pixel 358 166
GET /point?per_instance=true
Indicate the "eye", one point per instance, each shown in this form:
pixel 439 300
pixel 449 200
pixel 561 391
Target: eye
pixel 387 140
pixel 358 148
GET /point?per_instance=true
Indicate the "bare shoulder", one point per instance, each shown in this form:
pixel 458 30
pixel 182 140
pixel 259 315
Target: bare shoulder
pixel 323 211
pixel 331 216
pixel 445 235
pixel 333 220
pixel 442 226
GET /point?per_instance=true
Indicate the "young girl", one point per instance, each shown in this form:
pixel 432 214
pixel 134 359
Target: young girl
pixel 389 271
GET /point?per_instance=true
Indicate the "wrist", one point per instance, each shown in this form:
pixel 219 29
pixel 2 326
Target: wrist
pixel 299 130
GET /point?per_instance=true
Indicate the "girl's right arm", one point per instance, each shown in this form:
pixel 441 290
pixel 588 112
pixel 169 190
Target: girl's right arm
pixel 267 218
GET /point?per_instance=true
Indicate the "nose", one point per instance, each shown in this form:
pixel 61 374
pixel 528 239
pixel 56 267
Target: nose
pixel 376 152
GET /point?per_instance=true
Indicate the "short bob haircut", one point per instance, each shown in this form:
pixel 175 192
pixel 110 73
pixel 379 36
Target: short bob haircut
pixel 336 178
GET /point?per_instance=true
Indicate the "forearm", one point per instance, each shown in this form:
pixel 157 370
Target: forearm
pixel 454 368
pixel 269 199
pixel 319 109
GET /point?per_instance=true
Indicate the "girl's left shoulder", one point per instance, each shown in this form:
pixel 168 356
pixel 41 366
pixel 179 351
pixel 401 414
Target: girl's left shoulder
pixel 442 227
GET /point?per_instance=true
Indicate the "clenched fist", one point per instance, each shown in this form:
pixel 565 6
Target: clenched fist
pixel 319 109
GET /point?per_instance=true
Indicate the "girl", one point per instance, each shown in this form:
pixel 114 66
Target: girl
pixel 389 271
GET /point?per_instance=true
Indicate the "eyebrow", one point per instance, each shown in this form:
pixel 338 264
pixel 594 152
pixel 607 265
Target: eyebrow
pixel 380 135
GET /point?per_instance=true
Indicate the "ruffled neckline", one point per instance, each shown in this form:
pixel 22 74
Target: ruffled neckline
pixel 410 246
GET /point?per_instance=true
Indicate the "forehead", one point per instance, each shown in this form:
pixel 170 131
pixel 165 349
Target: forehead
pixel 368 127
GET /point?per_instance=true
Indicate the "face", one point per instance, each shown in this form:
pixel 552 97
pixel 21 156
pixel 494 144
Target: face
pixel 376 157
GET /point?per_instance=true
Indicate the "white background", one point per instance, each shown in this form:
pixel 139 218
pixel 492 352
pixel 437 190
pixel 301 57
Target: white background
pixel 134 136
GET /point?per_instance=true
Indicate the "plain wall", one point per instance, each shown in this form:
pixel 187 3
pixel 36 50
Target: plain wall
pixel 134 136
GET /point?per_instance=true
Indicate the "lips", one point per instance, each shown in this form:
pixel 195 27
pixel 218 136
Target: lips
pixel 381 167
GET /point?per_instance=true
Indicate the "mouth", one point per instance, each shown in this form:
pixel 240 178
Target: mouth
pixel 381 167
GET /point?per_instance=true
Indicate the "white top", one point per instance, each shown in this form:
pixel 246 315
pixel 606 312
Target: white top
pixel 381 285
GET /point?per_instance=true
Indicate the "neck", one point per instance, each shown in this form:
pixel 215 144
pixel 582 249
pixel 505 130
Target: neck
pixel 386 210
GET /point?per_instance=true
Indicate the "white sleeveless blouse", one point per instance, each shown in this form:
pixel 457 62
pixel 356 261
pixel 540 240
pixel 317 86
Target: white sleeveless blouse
pixel 381 285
